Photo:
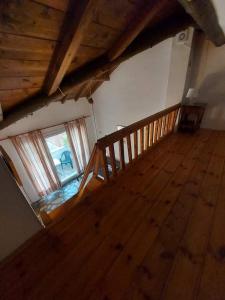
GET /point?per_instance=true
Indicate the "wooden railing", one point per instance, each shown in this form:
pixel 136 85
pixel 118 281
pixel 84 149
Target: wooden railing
pixel 115 152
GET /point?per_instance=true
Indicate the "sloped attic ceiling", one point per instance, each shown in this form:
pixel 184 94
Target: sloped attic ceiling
pixel 55 50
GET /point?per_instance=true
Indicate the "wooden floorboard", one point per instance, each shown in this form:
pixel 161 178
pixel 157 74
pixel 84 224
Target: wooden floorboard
pixel 157 232
pixel 186 269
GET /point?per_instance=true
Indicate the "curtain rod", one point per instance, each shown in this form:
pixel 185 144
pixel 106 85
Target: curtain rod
pixel 43 128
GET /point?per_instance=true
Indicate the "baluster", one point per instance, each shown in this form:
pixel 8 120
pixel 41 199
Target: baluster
pixel 142 139
pixel 89 167
pixel 121 151
pixel 151 133
pixel 104 165
pixel 155 131
pixel 164 126
pixel 135 145
pixel 171 120
pixel 159 129
pixel 112 160
pixel 97 163
pixel 167 123
pixel 147 137
pixel 129 150
pixel 175 118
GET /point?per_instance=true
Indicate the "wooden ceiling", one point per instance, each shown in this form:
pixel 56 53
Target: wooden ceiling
pixel 57 49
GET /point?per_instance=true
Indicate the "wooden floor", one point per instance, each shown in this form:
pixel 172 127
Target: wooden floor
pixel 156 233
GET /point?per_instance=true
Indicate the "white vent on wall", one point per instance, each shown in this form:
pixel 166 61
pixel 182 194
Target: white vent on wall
pixel 1 113
pixel 184 37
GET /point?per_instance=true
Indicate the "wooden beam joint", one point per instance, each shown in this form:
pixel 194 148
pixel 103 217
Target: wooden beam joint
pixel 76 21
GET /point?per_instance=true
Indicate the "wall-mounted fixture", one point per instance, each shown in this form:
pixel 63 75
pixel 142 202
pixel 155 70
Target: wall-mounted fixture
pixel 184 37
pixel 191 95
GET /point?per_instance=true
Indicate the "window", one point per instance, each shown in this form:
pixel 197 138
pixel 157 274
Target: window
pixel 52 157
pixel 61 155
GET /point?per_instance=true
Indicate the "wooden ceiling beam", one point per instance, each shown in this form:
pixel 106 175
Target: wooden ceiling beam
pixel 147 39
pixel 150 11
pixel 204 14
pixel 77 19
pixel 90 86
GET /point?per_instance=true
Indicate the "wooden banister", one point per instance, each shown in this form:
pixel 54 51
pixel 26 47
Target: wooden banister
pixel 115 151
pixel 116 136
pixel 89 168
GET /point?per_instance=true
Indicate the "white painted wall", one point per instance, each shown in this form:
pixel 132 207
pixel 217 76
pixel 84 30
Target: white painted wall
pixel 17 220
pixel 208 77
pixel 55 113
pixel 220 9
pixel 137 89
pixel 145 84
pixel 178 68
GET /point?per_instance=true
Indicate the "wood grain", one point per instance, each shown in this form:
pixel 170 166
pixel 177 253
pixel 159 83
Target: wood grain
pixel 9 98
pixel 144 16
pixel 30 19
pixel 57 4
pixel 156 232
pixel 76 22
pixel 18 47
pixel 12 83
pixel 22 68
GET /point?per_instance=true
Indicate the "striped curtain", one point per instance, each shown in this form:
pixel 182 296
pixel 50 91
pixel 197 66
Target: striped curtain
pixel 77 134
pixel 31 148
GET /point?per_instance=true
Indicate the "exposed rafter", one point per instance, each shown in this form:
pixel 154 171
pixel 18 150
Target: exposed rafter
pixel 148 38
pixel 150 10
pixel 76 21
pixel 96 36
pixel 203 12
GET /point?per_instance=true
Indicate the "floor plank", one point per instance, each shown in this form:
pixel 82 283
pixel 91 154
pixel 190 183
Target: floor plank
pixel 105 250
pixel 156 232
pixel 151 274
pixel 165 190
pixel 214 267
pixel 187 266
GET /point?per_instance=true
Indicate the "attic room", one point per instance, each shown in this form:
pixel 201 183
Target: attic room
pixel 112 149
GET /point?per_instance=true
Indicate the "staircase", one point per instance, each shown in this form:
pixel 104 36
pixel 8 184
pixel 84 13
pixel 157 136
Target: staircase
pixel 126 146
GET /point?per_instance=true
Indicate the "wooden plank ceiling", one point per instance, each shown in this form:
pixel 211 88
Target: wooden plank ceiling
pixel 43 42
pixel 30 32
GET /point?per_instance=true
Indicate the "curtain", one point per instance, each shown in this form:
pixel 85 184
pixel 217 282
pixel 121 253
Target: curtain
pixel 31 148
pixel 78 139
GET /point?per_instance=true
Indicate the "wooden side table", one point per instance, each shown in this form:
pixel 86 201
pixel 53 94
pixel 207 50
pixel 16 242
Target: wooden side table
pixel 191 117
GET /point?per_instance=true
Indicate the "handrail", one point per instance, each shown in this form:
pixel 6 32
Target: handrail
pixel 114 152
pixel 117 135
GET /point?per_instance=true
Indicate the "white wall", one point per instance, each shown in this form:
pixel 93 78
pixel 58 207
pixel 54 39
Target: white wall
pixel 178 69
pixel 208 77
pixel 17 220
pixel 137 89
pixel 53 114
pixel 220 9
pixel 145 84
